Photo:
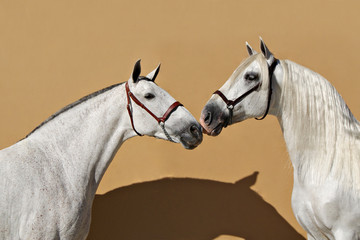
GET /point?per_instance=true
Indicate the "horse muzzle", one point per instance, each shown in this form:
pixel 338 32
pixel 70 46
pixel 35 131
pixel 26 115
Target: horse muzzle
pixel 213 119
pixel 192 136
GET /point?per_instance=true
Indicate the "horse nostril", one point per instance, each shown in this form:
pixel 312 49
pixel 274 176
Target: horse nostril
pixel 208 118
pixel 194 130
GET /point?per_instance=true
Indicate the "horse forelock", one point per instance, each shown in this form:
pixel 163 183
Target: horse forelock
pixel 246 63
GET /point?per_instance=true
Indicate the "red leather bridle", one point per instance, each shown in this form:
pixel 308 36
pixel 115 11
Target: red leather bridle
pixel 160 120
pixel 231 103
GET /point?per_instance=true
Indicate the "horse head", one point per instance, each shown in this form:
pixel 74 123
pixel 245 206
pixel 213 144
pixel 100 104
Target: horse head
pixel 154 112
pixel 246 94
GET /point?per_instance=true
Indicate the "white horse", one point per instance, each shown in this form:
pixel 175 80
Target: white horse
pixel 321 134
pixel 48 180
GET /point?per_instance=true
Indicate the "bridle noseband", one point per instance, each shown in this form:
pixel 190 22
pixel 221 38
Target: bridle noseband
pixel 231 103
pixel 160 120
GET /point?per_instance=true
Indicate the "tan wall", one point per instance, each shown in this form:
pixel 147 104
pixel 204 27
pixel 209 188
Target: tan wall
pixel 54 52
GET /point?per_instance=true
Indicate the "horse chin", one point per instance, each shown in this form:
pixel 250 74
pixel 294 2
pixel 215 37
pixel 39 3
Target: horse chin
pixel 217 130
pixel 188 146
pixel 189 142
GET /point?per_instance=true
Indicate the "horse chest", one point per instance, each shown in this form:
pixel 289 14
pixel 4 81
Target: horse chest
pixel 323 209
pixel 306 211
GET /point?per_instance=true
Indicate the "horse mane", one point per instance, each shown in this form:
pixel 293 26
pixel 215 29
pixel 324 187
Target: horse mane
pixel 326 135
pixel 74 104
pixel 81 100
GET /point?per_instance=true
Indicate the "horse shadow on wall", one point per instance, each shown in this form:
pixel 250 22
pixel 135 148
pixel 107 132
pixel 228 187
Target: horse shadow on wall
pixel 187 209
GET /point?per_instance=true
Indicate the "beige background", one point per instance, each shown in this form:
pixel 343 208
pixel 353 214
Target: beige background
pixel 54 52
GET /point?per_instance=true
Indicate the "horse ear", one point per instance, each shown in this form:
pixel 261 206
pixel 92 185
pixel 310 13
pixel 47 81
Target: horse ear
pixel 266 52
pixel 153 74
pixel 136 72
pixel 250 50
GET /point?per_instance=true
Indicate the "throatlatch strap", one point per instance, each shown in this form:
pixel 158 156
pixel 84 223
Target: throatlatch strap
pixel 271 73
pixel 129 108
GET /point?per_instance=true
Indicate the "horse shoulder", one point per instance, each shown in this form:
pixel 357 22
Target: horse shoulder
pixel 35 199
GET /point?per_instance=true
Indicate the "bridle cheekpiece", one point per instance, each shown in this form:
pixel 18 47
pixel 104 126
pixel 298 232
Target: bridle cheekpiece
pixel 160 120
pixel 231 103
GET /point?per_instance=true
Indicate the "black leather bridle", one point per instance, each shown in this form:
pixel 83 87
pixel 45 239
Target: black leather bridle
pixel 160 120
pixel 231 103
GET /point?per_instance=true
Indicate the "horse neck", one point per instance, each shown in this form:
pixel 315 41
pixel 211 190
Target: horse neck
pixel 82 141
pixel 318 127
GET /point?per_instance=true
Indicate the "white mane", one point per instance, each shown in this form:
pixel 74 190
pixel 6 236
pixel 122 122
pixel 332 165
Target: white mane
pixel 323 136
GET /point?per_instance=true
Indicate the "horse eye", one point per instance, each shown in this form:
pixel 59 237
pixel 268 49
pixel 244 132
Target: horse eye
pixel 149 96
pixel 251 76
